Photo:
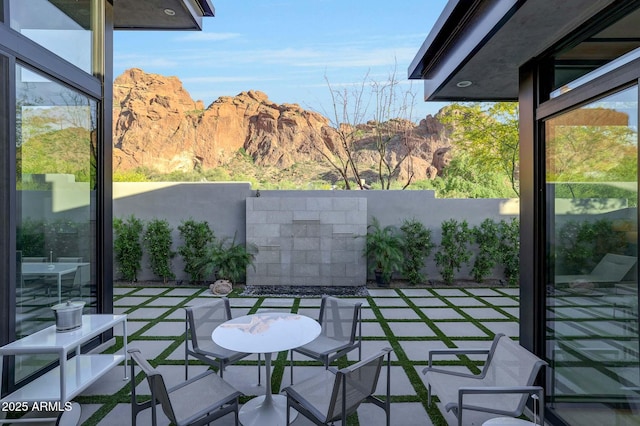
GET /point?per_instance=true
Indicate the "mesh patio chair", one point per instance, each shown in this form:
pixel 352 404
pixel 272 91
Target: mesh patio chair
pixel 334 395
pixel 200 322
pixel 340 321
pixel 198 401
pixel 74 283
pixel 34 259
pixel 502 388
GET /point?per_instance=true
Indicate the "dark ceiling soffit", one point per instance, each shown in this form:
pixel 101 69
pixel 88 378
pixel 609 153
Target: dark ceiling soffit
pixel 437 37
pixel 448 98
pixel 207 8
pixel 189 17
pixel 450 44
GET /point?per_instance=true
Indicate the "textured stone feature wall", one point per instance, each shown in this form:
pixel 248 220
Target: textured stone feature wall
pixel 307 241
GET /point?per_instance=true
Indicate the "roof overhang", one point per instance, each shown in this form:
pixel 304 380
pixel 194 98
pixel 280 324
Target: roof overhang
pixel 161 14
pixel 485 42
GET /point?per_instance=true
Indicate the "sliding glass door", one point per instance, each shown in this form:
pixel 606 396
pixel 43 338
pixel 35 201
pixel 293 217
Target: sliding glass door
pixel 56 158
pixel 591 185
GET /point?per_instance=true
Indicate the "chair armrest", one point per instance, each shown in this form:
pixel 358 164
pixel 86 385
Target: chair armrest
pixel 449 372
pixel 459 351
pixel 477 390
pixel 497 390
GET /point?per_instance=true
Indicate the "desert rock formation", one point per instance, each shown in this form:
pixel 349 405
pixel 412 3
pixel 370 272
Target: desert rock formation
pixel 157 125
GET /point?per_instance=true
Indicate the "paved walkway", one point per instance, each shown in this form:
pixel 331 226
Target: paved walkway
pixel 411 321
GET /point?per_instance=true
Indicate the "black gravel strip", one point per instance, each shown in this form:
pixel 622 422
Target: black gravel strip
pixel 304 291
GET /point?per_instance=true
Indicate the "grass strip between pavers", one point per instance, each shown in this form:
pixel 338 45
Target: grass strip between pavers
pixel 420 389
pixel 279 363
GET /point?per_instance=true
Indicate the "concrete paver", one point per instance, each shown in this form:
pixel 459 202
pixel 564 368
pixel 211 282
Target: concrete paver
pixel 408 330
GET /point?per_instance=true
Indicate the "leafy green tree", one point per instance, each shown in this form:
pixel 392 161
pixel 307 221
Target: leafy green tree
pixel 488 132
pixel 579 149
pixel 461 180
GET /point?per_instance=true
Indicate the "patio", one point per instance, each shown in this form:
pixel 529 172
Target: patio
pixel 411 321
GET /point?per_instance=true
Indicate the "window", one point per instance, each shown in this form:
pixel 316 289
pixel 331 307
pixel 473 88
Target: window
pixel 64 28
pixel 591 174
pixel 56 158
pixel 576 65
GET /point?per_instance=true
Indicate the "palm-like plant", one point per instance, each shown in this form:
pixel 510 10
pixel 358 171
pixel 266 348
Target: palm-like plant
pixel 229 260
pixel 383 249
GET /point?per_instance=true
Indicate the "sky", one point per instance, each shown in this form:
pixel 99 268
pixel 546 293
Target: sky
pixel 289 49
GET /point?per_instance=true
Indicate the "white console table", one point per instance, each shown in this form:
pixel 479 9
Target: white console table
pixel 73 375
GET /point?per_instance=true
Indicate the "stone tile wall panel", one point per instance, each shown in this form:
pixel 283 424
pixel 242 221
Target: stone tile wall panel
pixel 316 241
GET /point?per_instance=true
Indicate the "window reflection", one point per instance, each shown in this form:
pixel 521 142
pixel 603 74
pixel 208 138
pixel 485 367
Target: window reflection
pixel 64 28
pixel 609 48
pixel 56 180
pixel 592 294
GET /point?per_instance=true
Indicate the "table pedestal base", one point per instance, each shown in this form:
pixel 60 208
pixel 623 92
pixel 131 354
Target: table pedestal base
pixel 262 411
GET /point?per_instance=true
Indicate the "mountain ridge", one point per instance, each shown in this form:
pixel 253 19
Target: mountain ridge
pixel 158 126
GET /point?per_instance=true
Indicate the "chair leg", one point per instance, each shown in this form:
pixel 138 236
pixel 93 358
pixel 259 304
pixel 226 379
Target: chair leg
pixel 288 420
pixel 387 401
pixel 186 347
pixel 134 400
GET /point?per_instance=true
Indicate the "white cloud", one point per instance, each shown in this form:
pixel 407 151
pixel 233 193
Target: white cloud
pixel 226 79
pixel 364 57
pixel 336 56
pixel 143 61
pixel 206 36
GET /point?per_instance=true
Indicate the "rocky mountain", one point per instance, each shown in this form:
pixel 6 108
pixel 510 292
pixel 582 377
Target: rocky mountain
pixel 157 125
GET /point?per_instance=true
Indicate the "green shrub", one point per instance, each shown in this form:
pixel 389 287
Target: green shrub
pixel 228 260
pixel 487 237
pixel 129 176
pixel 417 246
pixel 509 249
pixel 126 246
pixel 196 237
pixel 157 240
pixel 582 244
pixel 30 237
pixel 453 251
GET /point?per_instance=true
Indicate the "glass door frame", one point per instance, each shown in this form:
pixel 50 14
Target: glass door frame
pixel 626 76
pixel 8 271
pixel 17 49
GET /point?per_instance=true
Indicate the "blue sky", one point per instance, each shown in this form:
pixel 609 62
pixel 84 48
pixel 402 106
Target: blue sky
pixel 285 48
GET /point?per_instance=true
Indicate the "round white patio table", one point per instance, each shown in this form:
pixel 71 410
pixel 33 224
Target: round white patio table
pixel 266 333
